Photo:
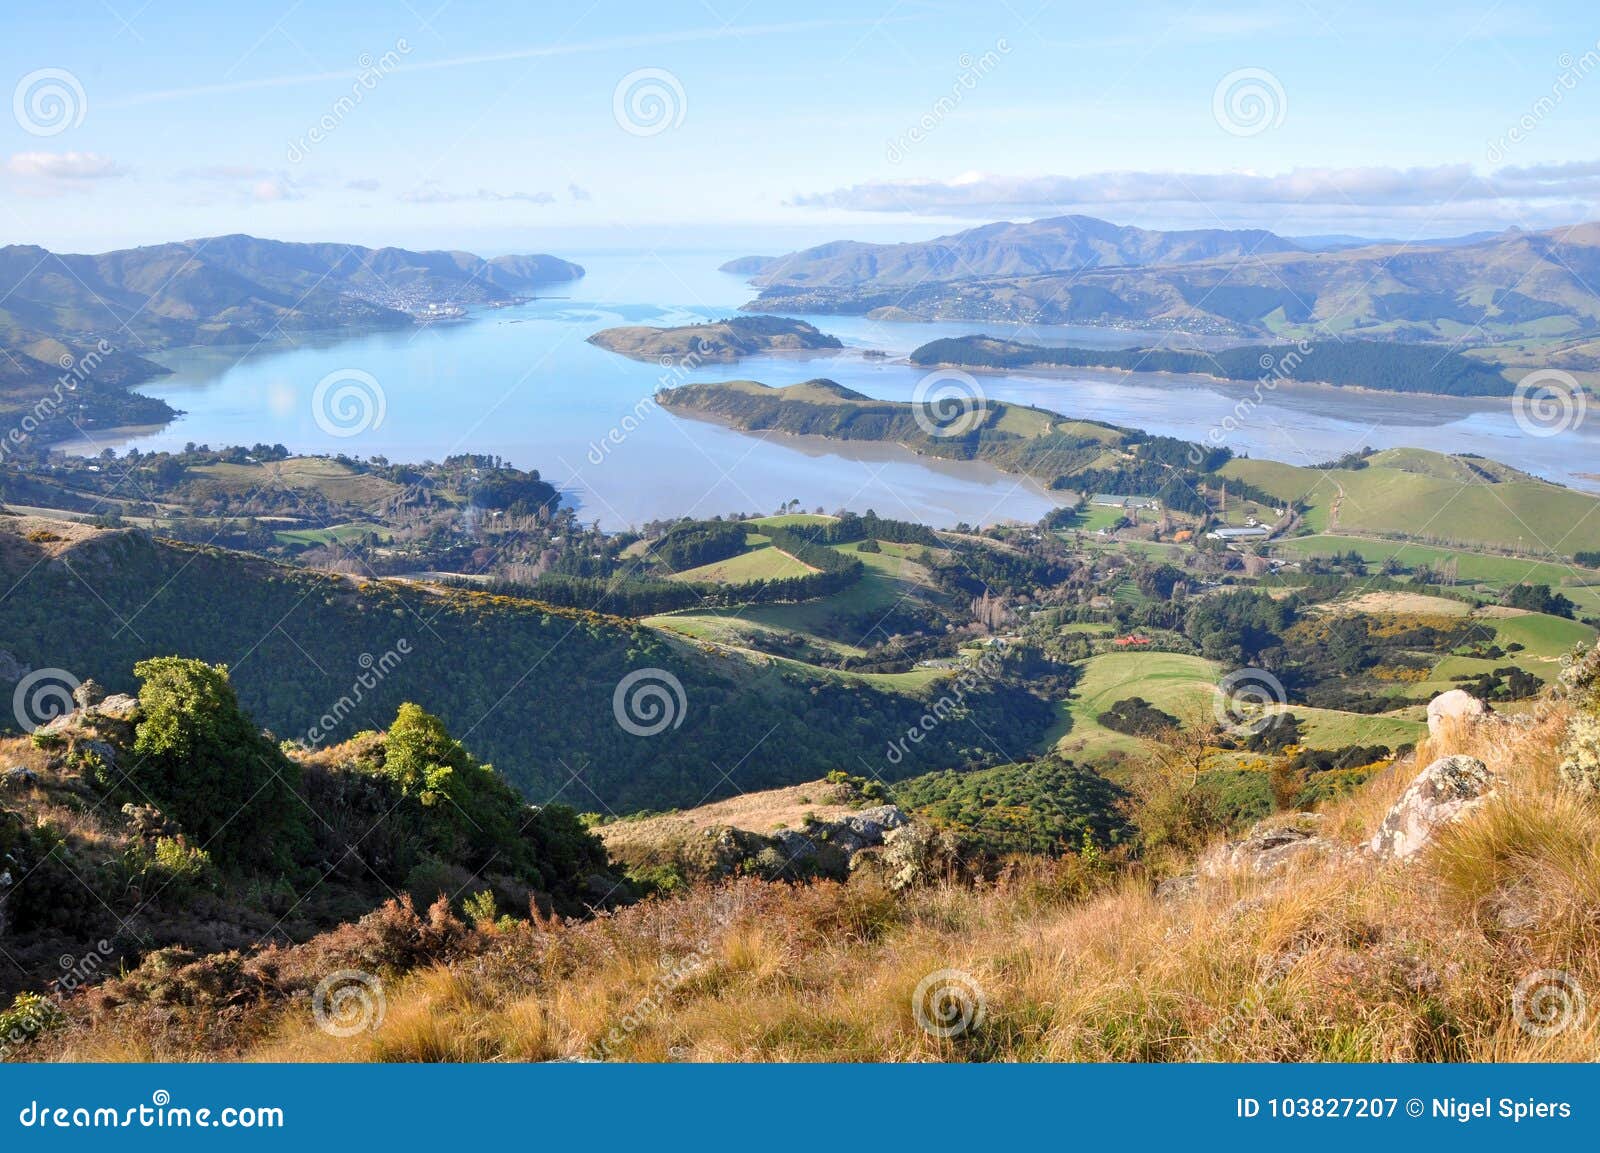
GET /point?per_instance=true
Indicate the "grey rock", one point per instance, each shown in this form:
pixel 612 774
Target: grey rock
pixel 1269 846
pixel 1457 703
pixel 18 778
pixel 1446 791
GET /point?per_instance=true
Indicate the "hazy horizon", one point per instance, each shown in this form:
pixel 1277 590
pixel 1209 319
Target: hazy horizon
pixel 764 130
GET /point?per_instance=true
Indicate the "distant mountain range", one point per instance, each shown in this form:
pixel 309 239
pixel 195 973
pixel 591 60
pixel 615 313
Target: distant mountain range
pixel 239 289
pixel 1060 244
pixel 1075 270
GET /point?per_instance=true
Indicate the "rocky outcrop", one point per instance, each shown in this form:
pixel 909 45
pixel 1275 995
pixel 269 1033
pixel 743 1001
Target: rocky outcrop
pixel 1269 846
pixel 1443 793
pixel 829 846
pixel 1453 705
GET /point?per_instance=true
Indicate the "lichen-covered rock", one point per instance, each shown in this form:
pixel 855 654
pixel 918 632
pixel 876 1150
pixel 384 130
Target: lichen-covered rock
pixel 1580 765
pixel 1268 846
pixel 1457 703
pixel 914 855
pixel 1444 792
pixel 89 693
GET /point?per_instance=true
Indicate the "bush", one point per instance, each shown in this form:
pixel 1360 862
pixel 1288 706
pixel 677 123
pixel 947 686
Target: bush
pixel 202 760
pixel 470 816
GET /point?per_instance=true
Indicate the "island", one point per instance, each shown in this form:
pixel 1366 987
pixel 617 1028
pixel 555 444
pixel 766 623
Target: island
pixel 1383 367
pixel 716 342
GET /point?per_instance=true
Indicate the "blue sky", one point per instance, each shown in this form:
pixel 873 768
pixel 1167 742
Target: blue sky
pixel 508 126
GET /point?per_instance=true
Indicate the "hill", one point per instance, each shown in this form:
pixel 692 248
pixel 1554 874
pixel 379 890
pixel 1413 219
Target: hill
pixel 241 290
pixel 1057 451
pixel 719 342
pixel 538 690
pixel 1512 286
pixel 50 390
pixel 1312 936
pixel 1061 244
pixel 1388 367
pixel 1434 498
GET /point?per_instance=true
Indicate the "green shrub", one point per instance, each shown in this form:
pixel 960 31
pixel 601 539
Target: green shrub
pixel 202 760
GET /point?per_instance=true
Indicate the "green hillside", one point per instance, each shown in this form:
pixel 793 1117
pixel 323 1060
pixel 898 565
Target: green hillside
pixel 529 686
pixel 1437 499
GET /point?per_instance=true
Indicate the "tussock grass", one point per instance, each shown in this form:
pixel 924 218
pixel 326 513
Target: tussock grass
pixel 1336 959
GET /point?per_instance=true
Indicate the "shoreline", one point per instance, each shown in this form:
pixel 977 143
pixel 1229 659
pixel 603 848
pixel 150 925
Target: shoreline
pixel 1067 372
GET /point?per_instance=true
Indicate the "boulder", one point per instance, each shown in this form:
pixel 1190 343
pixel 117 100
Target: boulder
pixel 119 706
pixel 1444 792
pixel 1453 704
pixel 1268 846
pixel 18 778
pixel 89 693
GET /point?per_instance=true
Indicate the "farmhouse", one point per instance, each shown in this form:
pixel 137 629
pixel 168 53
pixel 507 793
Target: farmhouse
pixel 1244 532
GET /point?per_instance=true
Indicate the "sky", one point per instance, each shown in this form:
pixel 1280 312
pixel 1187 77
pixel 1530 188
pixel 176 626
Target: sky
pixel 756 126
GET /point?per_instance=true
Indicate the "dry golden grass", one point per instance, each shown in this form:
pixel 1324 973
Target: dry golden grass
pixel 1337 959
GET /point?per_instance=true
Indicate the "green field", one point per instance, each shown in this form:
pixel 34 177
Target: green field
pixel 1174 682
pixel 890 576
pixel 1491 572
pixel 336 533
pixel 761 563
pixel 1180 685
pixel 1437 499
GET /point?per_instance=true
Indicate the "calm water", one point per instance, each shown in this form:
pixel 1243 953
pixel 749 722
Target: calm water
pixel 523 383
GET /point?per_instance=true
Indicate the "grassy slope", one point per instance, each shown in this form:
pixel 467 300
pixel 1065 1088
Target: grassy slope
pixel 761 563
pixel 1367 962
pixel 1436 498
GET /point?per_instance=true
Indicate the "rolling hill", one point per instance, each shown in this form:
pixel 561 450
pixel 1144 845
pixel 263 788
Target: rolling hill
pixel 721 341
pixel 1060 244
pixel 1432 498
pixel 531 687
pixel 1387 367
pixel 240 289
pixel 1513 286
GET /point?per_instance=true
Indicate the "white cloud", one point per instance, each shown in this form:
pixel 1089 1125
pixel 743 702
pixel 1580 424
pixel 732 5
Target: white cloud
pixel 65 166
pixel 431 192
pixel 247 182
pixel 366 184
pixel 1368 187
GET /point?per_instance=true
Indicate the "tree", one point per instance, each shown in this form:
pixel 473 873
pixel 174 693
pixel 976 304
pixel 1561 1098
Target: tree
pixel 470 815
pixel 204 762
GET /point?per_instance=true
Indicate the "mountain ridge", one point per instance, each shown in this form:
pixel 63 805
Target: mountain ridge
pixel 245 289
